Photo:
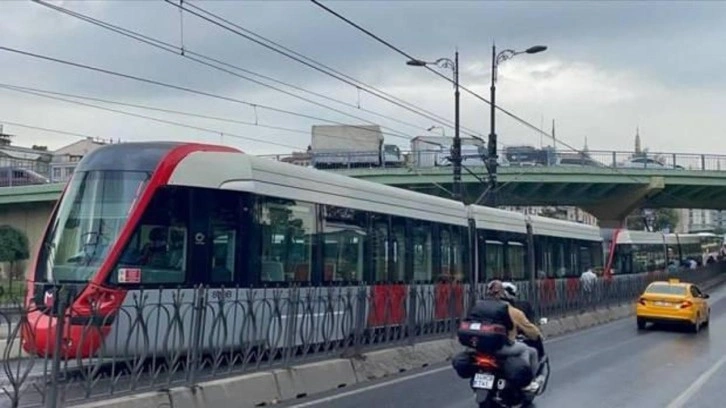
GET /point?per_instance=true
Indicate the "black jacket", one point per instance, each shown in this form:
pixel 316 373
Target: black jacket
pixel 491 311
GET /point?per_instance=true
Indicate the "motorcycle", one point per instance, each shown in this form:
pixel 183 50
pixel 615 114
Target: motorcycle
pixel 492 390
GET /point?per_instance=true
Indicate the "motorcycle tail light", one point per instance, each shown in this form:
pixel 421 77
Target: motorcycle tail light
pixel 485 361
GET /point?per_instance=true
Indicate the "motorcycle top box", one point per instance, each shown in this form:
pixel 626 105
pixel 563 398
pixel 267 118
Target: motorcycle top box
pixel 483 337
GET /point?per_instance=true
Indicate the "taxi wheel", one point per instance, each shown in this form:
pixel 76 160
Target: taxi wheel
pixel 696 326
pixel 641 323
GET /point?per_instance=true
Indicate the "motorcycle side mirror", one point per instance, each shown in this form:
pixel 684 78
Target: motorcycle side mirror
pixel 543 321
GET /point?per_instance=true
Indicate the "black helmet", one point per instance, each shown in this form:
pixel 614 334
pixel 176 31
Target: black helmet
pixel 495 289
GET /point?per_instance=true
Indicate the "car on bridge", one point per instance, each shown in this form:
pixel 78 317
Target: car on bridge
pixel 673 301
pixel 647 163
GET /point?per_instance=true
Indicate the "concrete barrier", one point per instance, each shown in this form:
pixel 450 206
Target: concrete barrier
pixel 145 400
pixel 314 378
pixel 15 350
pixel 247 391
pixel 586 320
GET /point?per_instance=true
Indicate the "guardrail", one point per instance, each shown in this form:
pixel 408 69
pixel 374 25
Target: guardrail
pixel 61 172
pixel 161 339
pixel 561 158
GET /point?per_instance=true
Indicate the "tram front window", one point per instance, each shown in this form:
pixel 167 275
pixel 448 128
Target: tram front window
pixel 90 217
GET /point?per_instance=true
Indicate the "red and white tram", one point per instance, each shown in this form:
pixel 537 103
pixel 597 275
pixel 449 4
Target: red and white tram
pixel 167 218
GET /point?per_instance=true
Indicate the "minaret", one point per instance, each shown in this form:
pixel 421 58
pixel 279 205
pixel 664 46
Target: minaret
pixel 585 149
pixel 637 140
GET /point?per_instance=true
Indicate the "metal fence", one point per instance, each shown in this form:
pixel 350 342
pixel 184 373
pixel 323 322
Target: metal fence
pixel 160 339
pixel 31 173
pixel 24 173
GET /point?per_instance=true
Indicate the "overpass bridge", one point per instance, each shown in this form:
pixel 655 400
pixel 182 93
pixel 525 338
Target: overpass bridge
pixel 610 196
pixel 607 184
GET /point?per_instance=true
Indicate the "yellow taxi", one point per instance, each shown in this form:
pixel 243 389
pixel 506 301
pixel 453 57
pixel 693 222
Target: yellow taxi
pixel 673 301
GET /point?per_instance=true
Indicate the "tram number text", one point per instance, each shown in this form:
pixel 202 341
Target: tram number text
pixel 222 294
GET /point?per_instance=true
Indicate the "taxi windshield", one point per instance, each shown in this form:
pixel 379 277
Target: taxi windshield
pixel 666 289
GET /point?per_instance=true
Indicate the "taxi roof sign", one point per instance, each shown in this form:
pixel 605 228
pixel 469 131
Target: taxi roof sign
pixel 674 280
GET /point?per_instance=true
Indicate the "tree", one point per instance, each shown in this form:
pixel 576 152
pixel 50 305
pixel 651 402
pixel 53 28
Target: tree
pixel 13 247
pixel 661 219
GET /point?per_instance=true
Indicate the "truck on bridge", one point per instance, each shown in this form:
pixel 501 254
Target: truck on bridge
pixel 340 146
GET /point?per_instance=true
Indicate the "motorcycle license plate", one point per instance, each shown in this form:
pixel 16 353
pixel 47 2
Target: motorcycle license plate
pixel 483 381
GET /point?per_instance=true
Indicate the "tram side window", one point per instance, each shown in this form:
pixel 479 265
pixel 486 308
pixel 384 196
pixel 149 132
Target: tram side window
pixel 344 237
pixel 458 242
pixel 558 265
pixel 516 260
pixel 399 250
pixel 585 258
pixel 660 257
pixel 380 247
pixel 624 262
pixel 451 263
pixel 225 220
pixel 157 251
pixel 541 258
pixel 596 255
pixel 495 260
pixel 422 252
pixel 287 229
pixel 446 261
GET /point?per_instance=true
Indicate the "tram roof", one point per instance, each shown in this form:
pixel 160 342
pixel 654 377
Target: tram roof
pixel 242 172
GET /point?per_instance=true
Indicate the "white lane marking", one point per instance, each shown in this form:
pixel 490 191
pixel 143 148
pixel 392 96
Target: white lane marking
pixel 372 387
pixel 686 395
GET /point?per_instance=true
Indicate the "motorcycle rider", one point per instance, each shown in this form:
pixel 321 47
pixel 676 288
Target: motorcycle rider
pixel 513 299
pixel 527 309
pixel 515 320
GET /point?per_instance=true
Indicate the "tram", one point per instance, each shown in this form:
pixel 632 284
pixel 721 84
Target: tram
pixel 151 223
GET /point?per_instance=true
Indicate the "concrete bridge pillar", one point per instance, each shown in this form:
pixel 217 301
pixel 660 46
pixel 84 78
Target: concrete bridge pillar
pixel 612 211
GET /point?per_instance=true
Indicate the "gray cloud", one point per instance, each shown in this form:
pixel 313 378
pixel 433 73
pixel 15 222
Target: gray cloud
pixel 607 61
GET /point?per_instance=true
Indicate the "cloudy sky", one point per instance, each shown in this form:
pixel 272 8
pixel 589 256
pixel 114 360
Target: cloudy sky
pixel 610 67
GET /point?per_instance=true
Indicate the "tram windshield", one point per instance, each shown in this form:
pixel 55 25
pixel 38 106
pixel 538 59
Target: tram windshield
pixel 90 217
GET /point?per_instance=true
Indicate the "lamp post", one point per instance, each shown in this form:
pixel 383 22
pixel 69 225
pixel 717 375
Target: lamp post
pixel 443 131
pixel 456 147
pixel 492 144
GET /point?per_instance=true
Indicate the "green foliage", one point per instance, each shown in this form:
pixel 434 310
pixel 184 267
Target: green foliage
pixel 13 245
pixel 663 218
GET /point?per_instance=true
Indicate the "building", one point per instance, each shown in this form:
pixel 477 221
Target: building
pixel 22 165
pixel 702 220
pixel 66 158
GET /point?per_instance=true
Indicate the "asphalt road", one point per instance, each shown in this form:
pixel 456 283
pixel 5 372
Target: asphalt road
pixel 607 366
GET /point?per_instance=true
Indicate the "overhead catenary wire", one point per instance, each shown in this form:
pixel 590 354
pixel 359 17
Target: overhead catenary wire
pixel 178 87
pixel 54 95
pixel 45 129
pixel 311 63
pixel 467 90
pixel 225 67
pixel 58 96
pixel 160 120
pixel 407 55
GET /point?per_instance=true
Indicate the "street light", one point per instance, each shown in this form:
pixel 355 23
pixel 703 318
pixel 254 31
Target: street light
pixel 456 148
pixel 492 144
pixel 443 131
